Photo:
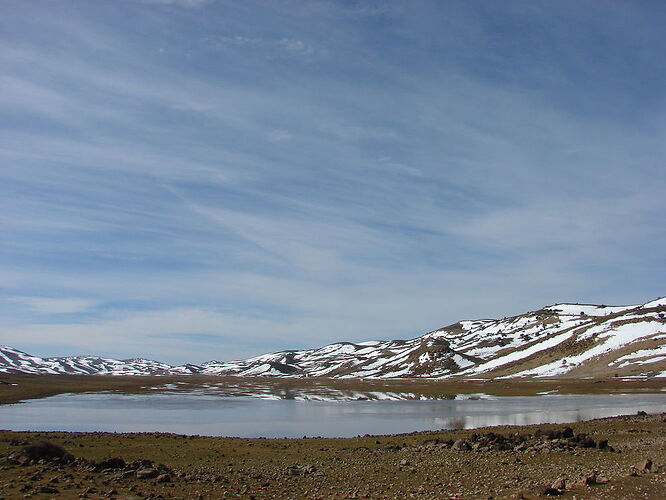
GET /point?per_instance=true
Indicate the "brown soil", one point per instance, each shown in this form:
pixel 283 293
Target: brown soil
pixel 419 465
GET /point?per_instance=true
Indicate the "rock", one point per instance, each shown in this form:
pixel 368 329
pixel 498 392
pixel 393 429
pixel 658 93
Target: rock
pixel 559 484
pixel 47 489
pixel 147 473
pixel 641 413
pixel 645 465
pixel 603 444
pixel 140 464
pixel 163 478
pixel 587 480
pixel 111 463
pixel 126 474
pixel 658 469
pixel 461 445
pixel 542 491
pixel 309 469
pixel 404 462
pixel 297 470
pixel 586 442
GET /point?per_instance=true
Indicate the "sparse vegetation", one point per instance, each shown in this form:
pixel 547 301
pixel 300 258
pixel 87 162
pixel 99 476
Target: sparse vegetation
pixel 22 387
pixel 619 457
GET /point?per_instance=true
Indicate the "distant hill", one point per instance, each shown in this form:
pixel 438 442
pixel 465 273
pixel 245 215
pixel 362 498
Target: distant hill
pixel 562 340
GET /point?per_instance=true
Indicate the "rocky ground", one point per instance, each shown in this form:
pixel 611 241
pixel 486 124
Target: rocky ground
pixel 620 457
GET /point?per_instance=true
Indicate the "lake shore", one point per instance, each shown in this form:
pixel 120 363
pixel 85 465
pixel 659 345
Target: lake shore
pixel 524 460
pixel 15 388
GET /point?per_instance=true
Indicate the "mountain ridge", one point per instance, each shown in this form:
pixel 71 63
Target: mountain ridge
pixel 560 340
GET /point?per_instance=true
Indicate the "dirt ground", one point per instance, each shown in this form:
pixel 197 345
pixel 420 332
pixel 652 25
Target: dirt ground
pixel 420 465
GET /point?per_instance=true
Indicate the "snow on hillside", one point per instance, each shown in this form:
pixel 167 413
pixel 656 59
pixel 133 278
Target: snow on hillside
pixel 15 361
pixel 558 340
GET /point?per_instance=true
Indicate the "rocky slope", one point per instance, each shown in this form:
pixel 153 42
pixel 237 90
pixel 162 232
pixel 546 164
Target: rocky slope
pixel 563 340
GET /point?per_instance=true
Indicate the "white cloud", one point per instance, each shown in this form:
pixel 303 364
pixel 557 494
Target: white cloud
pixel 272 46
pixel 279 135
pixel 47 305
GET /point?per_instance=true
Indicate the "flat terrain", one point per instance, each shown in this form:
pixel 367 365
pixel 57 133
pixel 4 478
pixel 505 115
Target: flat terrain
pixel 14 388
pixel 415 465
pixel 512 461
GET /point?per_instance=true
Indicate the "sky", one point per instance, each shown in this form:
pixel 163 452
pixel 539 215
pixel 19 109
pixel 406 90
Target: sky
pixel 188 180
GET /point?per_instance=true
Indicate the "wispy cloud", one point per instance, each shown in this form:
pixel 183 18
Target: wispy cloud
pixel 271 47
pixel 275 174
pixel 48 305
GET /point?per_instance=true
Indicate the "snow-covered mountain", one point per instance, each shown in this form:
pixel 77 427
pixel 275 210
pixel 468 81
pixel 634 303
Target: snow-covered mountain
pixel 563 340
pixel 15 361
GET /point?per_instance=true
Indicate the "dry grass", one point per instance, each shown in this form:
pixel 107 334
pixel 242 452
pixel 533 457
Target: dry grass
pixel 368 467
pixel 40 386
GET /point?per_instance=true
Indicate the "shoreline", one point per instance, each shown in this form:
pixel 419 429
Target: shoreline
pixel 422 464
pixel 15 388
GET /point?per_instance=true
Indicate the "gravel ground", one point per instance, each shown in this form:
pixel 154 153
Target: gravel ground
pixel 604 458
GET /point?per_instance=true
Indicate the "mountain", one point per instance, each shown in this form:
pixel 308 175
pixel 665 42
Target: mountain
pixel 15 361
pixel 562 340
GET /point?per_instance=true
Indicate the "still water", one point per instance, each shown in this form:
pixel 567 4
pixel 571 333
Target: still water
pixel 191 413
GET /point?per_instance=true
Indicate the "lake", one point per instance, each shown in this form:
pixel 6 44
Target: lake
pixel 195 413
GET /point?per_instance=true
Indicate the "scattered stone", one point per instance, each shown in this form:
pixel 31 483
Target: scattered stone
pixel 541 441
pixel 47 489
pixel 587 481
pixel 163 478
pixel 542 491
pixel 298 470
pixel 461 445
pixel 559 484
pixel 147 474
pixel 126 474
pixel 111 463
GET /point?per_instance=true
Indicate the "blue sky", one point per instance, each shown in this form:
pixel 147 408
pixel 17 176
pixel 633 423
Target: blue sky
pixel 189 180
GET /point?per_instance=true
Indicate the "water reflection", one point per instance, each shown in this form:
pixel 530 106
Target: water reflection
pixel 196 413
